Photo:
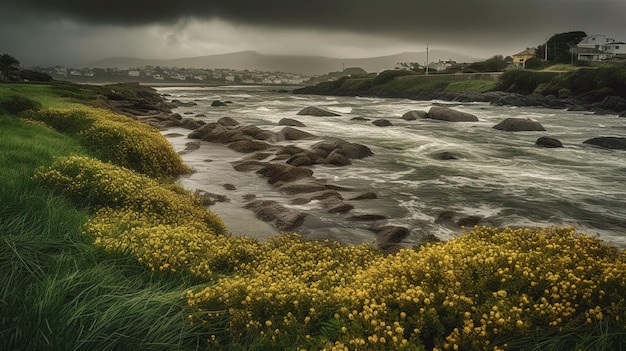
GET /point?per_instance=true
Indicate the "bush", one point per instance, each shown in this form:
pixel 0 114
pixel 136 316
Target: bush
pixel 14 104
pixel 522 81
pixel 535 63
pixel 34 76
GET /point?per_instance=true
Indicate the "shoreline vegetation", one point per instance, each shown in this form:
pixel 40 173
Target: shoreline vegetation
pixel 102 251
pixel 599 89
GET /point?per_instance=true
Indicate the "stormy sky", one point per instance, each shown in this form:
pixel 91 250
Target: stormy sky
pixel 45 32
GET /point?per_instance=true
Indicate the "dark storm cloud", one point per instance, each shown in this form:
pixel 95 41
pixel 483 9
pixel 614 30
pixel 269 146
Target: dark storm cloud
pixel 62 30
pixel 400 17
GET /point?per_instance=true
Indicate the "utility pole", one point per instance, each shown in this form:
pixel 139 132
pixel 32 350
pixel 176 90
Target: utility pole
pixel 426 59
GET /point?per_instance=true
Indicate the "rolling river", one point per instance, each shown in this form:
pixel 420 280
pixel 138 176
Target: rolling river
pixel 420 169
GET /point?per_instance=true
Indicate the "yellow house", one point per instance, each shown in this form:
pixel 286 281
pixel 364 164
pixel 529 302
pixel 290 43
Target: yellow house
pixel 520 59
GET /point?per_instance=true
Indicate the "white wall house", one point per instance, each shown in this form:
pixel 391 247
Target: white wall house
pixel 599 47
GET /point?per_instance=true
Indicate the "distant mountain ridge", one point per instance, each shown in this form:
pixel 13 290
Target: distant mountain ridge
pixel 301 64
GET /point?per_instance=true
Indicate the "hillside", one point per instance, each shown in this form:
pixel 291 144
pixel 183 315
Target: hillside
pixel 251 60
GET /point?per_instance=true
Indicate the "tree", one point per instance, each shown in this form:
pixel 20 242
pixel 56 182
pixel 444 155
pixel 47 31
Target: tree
pixel 559 46
pixel 8 63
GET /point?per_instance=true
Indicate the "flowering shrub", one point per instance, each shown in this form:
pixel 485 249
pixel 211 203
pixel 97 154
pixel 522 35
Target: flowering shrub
pixel 460 295
pixel 165 226
pixel 169 246
pixel 117 138
pixel 106 185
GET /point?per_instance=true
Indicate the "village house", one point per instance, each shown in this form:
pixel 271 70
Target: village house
pixel 519 59
pixel 599 47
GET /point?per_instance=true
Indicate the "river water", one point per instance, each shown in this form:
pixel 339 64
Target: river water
pixel 500 176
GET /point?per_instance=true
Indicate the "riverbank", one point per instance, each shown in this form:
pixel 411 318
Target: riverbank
pixel 511 288
pixel 598 90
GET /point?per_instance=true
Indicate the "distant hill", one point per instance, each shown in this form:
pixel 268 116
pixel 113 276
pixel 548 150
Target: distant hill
pixel 309 65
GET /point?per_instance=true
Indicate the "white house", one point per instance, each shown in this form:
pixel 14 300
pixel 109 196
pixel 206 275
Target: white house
pixel 599 47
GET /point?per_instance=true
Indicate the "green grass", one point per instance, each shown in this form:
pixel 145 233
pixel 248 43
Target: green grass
pixel 471 85
pixel 57 290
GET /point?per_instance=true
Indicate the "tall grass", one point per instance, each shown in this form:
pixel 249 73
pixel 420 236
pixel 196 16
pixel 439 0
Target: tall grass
pixel 57 290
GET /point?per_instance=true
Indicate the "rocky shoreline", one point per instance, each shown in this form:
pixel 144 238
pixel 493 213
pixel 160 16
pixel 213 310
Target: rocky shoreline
pixel 288 168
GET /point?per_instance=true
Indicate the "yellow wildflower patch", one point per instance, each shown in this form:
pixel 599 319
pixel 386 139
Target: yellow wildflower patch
pixel 116 138
pixel 462 294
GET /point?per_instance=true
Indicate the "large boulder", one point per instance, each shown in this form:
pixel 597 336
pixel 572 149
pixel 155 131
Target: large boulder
pixel 350 150
pixel 228 122
pixel 217 133
pixel 450 115
pixel 337 158
pixel 317 112
pixel 519 125
pixel 608 142
pixel 415 114
pixel 290 133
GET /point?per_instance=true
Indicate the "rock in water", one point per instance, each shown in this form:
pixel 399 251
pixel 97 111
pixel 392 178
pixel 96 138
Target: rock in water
pixel 545 141
pixel 519 125
pixel 317 112
pixel 290 122
pixel 218 103
pixel 450 115
pixel 608 142
pixel 413 115
pixel 382 123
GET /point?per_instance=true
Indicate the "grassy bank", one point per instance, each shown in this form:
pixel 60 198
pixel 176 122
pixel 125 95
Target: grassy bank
pixel 402 84
pixel 100 251
pixel 589 84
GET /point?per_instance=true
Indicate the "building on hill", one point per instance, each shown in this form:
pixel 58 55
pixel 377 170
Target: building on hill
pixel 519 59
pixel 599 47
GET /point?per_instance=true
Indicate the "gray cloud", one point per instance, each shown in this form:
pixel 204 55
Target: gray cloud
pixel 402 17
pixel 479 25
